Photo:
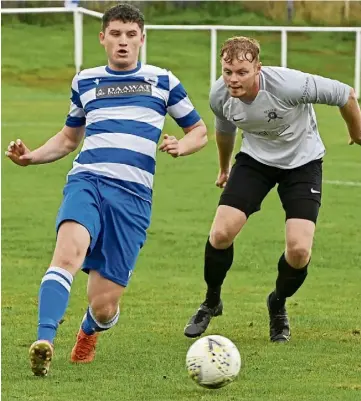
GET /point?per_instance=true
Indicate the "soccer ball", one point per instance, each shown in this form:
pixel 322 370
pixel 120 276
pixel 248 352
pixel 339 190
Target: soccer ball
pixel 213 361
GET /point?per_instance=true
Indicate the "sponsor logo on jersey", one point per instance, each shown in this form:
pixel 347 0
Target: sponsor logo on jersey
pixel 123 89
pixel 274 133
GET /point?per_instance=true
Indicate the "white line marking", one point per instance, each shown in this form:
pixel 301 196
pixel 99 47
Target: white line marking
pixel 30 124
pixel 344 183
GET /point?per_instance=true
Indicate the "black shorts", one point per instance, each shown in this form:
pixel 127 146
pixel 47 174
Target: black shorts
pixel 299 189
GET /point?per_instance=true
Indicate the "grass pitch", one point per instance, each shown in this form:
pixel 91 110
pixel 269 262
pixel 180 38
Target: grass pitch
pixel 143 357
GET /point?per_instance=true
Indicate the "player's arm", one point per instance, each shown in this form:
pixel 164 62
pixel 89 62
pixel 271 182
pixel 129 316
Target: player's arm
pixel 60 145
pixel 225 145
pixel 307 88
pixel 351 113
pixel 195 138
pixel 181 109
pixel 335 93
pixel 225 138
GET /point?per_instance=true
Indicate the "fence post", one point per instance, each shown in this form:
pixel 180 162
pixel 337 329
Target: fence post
pixel 78 39
pixel 213 55
pixel 284 47
pixel 358 64
pixel 143 52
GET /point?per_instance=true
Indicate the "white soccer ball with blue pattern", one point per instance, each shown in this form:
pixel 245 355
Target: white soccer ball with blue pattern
pixel 213 361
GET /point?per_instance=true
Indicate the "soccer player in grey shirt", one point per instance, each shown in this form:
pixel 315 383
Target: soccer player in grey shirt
pixel 281 145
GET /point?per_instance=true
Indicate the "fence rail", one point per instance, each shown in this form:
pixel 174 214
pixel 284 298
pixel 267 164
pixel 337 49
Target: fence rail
pixel 78 36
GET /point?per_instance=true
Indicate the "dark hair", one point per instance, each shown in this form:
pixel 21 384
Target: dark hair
pixel 123 12
pixel 241 48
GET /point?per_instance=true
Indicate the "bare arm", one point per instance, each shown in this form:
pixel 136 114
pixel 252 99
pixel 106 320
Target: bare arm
pixel 352 115
pixel 225 145
pixel 194 140
pixel 58 146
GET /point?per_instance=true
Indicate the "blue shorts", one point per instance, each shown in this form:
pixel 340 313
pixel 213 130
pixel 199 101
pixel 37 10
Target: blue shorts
pixel 116 220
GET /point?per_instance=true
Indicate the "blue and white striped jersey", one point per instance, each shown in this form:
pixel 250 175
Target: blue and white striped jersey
pixel 124 113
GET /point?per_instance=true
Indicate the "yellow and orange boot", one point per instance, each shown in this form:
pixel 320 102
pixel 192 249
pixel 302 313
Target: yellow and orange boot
pixel 84 348
pixel 41 353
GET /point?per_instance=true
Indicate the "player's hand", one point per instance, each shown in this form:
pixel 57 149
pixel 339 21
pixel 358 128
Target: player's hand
pixel 170 145
pixel 222 179
pixel 18 153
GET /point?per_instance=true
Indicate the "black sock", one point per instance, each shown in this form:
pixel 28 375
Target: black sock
pixel 289 280
pixel 217 262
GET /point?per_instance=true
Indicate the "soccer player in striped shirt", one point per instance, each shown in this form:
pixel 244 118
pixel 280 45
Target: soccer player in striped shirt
pixel 102 222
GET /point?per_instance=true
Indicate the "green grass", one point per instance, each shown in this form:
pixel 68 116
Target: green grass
pixel 143 357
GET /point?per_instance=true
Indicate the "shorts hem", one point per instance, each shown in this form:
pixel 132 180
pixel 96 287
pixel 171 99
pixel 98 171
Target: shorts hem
pixel 303 209
pixel 86 269
pixel 232 202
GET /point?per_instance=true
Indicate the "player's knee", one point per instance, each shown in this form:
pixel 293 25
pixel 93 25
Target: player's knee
pixel 104 312
pixel 221 238
pixel 68 256
pixel 298 255
pixel 71 246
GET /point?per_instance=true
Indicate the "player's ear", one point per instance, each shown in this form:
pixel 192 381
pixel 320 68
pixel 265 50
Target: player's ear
pixel 101 38
pixel 142 39
pixel 259 66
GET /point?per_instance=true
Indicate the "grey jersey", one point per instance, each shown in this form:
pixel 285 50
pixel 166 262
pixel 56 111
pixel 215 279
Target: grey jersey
pixel 279 125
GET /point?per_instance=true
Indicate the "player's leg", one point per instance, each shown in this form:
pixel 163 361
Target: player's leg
pixel 73 241
pixel 218 256
pixel 102 314
pixel 292 272
pixel 125 219
pixel 300 192
pixel 248 184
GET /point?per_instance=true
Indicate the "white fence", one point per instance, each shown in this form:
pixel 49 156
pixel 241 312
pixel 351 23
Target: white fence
pixel 78 36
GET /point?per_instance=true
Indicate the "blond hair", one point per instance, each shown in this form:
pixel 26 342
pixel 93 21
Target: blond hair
pixel 240 48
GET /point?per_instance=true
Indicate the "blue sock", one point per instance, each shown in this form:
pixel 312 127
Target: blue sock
pixel 90 325
pixel 53 301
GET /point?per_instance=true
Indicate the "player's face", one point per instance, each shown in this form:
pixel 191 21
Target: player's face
pixel 241 78
pixel 122 41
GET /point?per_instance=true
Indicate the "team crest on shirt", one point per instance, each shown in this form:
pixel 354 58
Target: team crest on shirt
pixel 123 89
pixel 272 115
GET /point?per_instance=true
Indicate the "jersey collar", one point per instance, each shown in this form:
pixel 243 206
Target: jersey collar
pixel 137 68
